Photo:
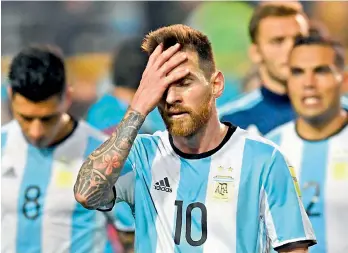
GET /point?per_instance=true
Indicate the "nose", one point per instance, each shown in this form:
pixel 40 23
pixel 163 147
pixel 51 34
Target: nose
pixel 172 95
pixel 309 80
pixel 36 130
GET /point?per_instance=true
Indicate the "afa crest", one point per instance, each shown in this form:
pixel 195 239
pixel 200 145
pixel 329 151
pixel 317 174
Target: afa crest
pixel 223 184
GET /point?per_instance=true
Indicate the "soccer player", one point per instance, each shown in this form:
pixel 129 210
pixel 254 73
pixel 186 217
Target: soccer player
pixel 128 64
pixel 202 185
pixel 41 151
pixel 316 142
pixel 272 30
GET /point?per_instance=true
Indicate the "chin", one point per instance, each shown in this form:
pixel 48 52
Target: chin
pixel 314 118
pixel 182 128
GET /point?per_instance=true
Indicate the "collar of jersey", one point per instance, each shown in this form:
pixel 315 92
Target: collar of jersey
pixel 230 131
pixel 269 95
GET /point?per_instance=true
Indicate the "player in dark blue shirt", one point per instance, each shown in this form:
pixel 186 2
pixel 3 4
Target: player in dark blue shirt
pixel 272 30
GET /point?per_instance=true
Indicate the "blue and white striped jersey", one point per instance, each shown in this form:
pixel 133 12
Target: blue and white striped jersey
pixel 261 111
pixel 38 210
pixel 231 199
pixel 322 170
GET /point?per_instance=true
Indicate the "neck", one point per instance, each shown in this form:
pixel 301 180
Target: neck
pixel 319 131
pixel 67 125
pixel 124 94
pixel 206 139
pixel 272 84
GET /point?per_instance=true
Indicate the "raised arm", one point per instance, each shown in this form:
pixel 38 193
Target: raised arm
pixel 99 173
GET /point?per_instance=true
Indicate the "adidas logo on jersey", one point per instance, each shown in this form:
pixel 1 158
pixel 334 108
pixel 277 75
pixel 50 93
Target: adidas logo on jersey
pixel 163 185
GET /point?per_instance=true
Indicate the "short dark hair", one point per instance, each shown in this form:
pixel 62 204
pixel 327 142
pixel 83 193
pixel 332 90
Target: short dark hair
pixel 37 73
pixel 128 64
pixel 189 38
pixel 317 39
pixel 269 10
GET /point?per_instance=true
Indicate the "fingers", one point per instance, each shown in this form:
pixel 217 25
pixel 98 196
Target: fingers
pixel 175 76
pixel 166 55
pixel 172 63
pixel 153 57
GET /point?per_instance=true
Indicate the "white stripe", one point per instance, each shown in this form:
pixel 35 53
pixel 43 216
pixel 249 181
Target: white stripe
pixel 100 236
pixel 165 164
pixel 243 103
pixel 14 156
pixel 292 147
pixel 336 200
pixel 271 231
pixel 308 229
pixel 60 202
pixel 222 214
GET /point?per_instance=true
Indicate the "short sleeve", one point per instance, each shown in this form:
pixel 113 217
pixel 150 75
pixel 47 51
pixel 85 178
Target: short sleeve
pixel 124 217
pixel 285 218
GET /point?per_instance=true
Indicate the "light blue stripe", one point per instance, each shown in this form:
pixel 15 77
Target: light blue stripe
pixel 242 103
pixel 124 221
pixel 84 221
pixel 276 138
pixel 37 173
pixel 313 168
pixel 283 200
pixel 248 225
pixel 3 140
pixel 145 212
pixel 192 188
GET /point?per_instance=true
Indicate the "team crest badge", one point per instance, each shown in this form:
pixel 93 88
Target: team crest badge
pixel 223 184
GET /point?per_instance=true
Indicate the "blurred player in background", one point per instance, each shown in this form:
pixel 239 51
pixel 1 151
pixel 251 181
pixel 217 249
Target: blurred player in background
pixel 127 67
pixel 317 141
pixel 41 151
pixel 272 30
pixel 201 186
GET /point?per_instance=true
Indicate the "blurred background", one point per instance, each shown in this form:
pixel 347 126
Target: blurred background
pixel 90 32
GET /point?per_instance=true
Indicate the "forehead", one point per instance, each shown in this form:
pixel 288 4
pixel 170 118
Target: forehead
pixel 29 108
pixel 312 55
pixel 282 26
pixel 192 59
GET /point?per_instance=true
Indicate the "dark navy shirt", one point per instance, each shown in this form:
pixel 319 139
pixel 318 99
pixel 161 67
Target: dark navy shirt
pixel 261 109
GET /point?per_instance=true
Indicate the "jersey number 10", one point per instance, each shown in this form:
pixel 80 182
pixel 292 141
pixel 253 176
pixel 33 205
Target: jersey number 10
pixel 178 225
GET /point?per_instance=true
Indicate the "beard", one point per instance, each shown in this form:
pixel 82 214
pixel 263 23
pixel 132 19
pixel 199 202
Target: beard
pixel 190 123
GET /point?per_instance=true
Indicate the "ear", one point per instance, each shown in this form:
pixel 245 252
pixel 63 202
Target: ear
pixel 9 92
pixel 68 97
pixel 344 87
pixel 254 54
pixel 218 83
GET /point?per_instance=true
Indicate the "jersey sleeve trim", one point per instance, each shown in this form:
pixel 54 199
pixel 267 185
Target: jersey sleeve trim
pixel 108 207
pixel 294 244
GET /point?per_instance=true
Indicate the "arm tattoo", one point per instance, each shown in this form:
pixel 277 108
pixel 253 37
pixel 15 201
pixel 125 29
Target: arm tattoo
pixel 99 173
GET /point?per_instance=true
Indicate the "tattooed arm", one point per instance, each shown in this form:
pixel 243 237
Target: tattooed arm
pixel 99 173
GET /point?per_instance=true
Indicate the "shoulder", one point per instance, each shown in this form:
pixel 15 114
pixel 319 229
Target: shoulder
pixel 242 103
pixel 256 147
pixel 10 126
pixel 276 133
pixel 344 102
pixel 11 133
pixel 152 140
pixel 86 130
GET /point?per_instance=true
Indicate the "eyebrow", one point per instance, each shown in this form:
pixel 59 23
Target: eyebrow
pixel 38 117
pixel 315 68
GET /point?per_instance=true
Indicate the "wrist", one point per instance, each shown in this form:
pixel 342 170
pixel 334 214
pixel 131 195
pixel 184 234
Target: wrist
pixel 139 108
